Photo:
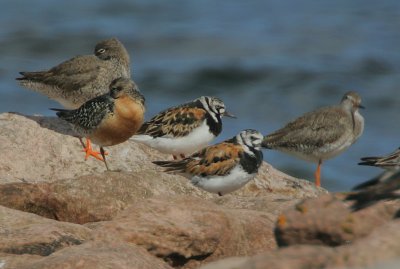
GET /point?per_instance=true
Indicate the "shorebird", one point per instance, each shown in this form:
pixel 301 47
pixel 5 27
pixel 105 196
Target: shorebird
pixel 321 134
pixel 376 189
pixel 108 119
pixel 390 163
pixel 77 80
pixel 184 129
pixel 224 167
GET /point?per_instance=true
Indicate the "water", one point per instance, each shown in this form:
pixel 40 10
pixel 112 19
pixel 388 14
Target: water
pixel 270 61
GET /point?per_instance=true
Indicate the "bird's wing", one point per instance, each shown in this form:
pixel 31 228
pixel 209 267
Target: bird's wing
pixel 312 130
pixel 70 75
pixel 90 114
pixel 174 122
pixel 217 160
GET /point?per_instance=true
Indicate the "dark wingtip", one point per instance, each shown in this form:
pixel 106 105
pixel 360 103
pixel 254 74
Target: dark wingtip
pixel 367 162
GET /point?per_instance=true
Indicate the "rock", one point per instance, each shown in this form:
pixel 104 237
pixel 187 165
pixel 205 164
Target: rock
pixel 185 231
pixel 92 255
pixel 330 221
pixel 69 189
pixel 57 154
pixel 136 215
pixel 25 233
pixel 381 246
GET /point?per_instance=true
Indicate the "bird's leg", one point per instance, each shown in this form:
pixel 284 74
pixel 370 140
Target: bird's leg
pixel 83 144
pixel 182 156
pixel 103 153
pixel 175 158
pixel 318 174
pixel 90 152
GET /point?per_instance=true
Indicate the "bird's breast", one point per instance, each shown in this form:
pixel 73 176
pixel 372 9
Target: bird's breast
pixel 120 125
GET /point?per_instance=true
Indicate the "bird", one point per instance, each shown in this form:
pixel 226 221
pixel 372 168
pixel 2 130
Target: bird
pixel 184 129
pixel 321 134
pixel 390 163
pixel 221 168
pixel 81 78
pixel 374 190
pixel 108 119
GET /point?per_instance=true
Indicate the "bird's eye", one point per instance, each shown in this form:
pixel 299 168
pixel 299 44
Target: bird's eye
pixel 101 51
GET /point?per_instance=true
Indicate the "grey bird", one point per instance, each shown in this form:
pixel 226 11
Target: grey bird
pixel 81 78
pixel 321 134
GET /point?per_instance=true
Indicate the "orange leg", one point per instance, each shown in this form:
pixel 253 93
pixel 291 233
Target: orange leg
pixel 318 174
pixel 90 152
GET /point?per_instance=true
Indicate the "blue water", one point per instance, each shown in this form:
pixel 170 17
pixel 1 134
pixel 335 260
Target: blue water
pixel 270 61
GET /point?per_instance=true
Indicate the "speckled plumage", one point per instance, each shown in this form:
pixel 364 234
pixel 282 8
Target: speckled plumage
pixel 81 78
pixel 111 118
pixel 186 128
pixel 224 167
pixel 320 134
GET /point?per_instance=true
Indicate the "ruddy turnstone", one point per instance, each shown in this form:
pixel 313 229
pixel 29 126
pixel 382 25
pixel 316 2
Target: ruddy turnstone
pixel 224 167
pixel 81 78
pixel 184 129
pixel 321 134
pixel 108 119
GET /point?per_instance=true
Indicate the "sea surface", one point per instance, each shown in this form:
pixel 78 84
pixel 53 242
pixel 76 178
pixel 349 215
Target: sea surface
pixel 270 61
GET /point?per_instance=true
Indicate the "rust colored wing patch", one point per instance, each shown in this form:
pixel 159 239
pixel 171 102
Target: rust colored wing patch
pixel 176 122
pixel 217 160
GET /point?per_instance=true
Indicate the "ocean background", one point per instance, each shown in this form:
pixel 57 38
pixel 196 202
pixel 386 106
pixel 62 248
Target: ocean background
pixel 270 61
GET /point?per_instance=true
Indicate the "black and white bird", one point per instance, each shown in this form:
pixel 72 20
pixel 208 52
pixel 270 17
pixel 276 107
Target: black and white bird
pixel 224 167
pixel 184 129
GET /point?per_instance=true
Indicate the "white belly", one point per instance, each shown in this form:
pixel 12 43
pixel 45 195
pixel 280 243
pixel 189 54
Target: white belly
pixel 196 140
pixel 236 179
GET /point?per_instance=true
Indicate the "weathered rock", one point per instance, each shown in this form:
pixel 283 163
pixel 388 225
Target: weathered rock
pixel 25 233
pixel 153 216
pixel 329 220
pixel 93 195
pixel 57 153
pixel 94 255
pixel 14 261
pixel 383 244
pixel 185 231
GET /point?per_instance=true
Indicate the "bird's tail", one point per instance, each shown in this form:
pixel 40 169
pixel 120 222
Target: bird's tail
pixel 64 114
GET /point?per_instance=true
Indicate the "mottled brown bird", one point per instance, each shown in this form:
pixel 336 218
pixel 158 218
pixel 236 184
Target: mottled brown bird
pixel 81 78
pixel 224 167
pixel 321 134
pixel 186 128
pixel 108 119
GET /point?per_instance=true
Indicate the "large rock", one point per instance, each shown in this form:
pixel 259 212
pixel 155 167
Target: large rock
pixel 184 230
pixel 90 255
pixel 25 233
pixel 58 183
pixel 382 246
pixel 328 220
pixel 136 215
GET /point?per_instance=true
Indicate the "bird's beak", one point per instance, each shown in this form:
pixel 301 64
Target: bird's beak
pixel 361 106
pixel 227 114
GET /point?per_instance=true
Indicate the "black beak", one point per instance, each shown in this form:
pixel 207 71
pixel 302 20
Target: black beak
pixel 361 106
pixel 227 114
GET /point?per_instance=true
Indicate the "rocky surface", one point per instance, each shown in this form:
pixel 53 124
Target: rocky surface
pixel 369 238
pixel 59 211
pixel 135 215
